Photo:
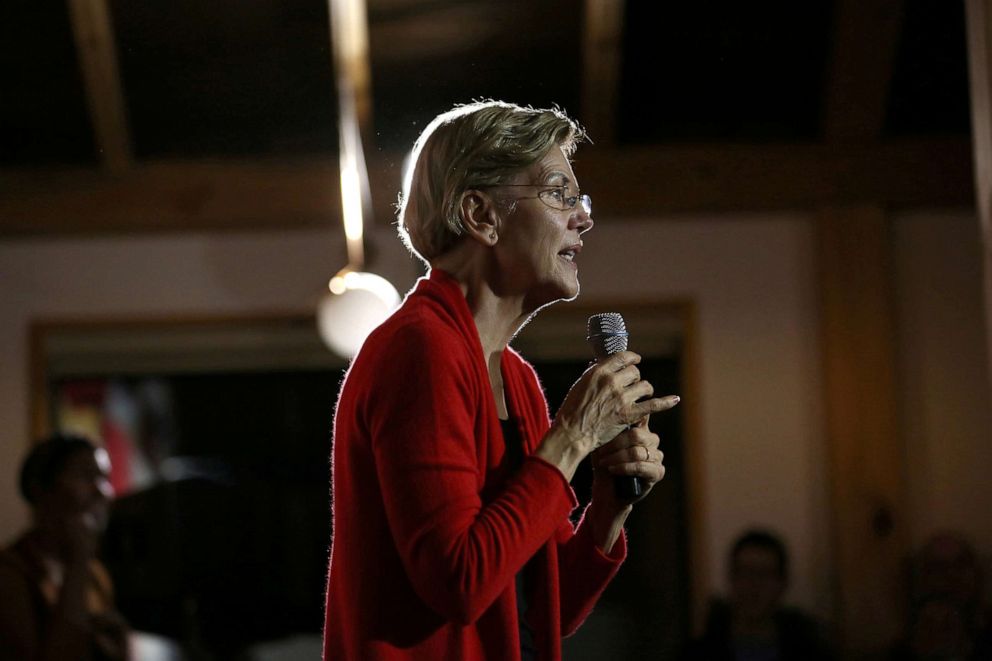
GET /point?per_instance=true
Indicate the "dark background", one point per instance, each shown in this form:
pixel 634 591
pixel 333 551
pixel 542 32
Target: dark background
pixel 236 551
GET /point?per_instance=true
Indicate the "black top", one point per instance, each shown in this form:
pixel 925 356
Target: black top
pixel 515 458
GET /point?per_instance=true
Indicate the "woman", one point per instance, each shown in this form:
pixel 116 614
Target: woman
pixel 56 602
pixel 451 489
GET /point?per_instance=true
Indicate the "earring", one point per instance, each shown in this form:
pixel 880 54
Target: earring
pixel 492 236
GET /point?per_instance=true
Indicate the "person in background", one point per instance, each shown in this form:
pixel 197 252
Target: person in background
pixel 753 624
pixel 56 601
pixel 451 495
pixel 948 618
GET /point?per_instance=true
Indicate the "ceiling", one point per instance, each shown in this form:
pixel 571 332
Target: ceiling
pixel 206 106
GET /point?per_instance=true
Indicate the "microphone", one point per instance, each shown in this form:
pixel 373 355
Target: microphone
pixel 607 335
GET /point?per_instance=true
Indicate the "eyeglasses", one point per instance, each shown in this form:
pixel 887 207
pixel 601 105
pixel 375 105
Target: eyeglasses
pixel 555 197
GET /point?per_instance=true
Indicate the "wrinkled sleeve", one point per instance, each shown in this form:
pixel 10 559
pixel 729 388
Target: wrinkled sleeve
pixel 425 421
pixel 584 572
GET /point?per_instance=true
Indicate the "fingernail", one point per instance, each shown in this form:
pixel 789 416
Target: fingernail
pixel 676 399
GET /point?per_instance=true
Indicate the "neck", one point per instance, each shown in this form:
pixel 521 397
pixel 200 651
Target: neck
pixel 498 314
pixel 45 541
pixel 761 626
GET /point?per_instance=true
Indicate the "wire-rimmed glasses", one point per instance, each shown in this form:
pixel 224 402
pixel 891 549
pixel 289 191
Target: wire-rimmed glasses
pixel 556 197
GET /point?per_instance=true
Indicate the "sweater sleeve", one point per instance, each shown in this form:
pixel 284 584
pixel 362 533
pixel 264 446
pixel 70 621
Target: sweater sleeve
pixel 427 425
pixel 584 572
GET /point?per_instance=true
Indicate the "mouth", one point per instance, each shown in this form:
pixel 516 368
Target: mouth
pixel 571 252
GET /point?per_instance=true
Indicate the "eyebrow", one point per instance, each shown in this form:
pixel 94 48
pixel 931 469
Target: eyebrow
pixel 548 176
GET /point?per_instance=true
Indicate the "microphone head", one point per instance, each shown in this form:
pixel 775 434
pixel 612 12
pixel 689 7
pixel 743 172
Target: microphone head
pixel 606 334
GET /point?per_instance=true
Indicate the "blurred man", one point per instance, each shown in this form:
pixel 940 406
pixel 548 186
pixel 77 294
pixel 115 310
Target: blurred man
pixel 753 625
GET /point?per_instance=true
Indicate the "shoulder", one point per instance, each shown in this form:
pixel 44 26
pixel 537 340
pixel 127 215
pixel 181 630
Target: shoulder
pixel 411 355
pixel 411 337
pixel 13 565
pixel 17 585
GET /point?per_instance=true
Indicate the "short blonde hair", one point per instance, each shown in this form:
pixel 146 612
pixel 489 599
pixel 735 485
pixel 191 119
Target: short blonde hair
pixel 475 145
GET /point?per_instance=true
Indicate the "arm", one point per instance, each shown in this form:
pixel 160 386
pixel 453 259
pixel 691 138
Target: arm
pixel 595 552
pixel 426 428
pixel 584 571
pixel 590 556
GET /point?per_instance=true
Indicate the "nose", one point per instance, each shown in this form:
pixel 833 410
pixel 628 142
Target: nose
pixel 581 220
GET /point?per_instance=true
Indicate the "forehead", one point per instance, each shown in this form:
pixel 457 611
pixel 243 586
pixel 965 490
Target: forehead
pixel 756 555
pixel 85 462
pixel 553 163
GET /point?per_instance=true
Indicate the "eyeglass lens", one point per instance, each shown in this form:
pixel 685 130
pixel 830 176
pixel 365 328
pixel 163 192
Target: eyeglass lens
pixel 586 203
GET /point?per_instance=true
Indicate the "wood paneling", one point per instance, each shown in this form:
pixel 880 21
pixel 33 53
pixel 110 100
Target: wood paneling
pixel 865 448
pixel 602 32
pixel 645 182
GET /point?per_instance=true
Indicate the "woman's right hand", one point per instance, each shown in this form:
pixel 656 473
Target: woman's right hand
pixel 600 405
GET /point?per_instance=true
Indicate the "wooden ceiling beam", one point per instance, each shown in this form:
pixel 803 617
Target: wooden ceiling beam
pixel 602 34
pixel 94 35
pixel 979 31
pixel 645 183
pixel 866 38
pixel 653 181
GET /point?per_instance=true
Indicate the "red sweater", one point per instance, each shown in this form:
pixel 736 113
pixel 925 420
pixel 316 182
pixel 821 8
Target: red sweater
pixel 430 525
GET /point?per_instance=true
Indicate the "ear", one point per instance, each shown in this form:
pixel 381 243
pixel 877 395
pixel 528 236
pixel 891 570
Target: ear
pixel 480 219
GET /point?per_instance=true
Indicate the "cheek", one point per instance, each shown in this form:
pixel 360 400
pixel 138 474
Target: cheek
pixel 550 240
pixel 74 494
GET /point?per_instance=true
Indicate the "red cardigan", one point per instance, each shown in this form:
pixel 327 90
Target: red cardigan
pixel 430 525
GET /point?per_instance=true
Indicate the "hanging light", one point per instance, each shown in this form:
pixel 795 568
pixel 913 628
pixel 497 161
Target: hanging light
pixel 356 301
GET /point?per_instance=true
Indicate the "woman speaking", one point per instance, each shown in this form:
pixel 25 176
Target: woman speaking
pixel 451 496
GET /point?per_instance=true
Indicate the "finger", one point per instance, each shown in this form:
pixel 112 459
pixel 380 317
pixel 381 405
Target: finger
pixel 628 376
pixel 655 405
pixel 619 361
pixel 636 391
pixel 649 471
pixel 627 451
pixel 630 438
pixel 634 458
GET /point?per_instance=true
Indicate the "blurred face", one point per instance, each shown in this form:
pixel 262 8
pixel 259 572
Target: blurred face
pixel 756 583
pixel 538 248
pixel 949 570
pixel 81 489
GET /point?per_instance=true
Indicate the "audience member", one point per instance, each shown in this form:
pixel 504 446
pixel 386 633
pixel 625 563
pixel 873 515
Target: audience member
pixel 753 624
pixel 56 602
pixel 948 618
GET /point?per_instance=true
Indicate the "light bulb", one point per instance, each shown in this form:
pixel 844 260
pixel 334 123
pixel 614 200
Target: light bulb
pixel 356 304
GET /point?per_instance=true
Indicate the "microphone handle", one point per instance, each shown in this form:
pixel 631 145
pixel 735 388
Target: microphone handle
pixel 628 487
pixel 607 334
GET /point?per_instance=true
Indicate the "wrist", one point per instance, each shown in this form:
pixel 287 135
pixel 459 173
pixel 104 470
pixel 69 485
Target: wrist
pixel 564 449
pixel 607 523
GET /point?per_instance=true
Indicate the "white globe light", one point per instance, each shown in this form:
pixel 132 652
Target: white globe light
pixel 346 318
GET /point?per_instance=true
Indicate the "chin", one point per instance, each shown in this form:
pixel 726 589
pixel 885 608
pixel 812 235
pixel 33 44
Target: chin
pixel 552 293
pixel 570 295
pixel 571 288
